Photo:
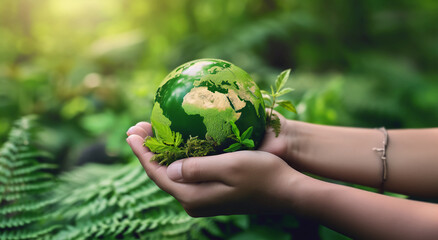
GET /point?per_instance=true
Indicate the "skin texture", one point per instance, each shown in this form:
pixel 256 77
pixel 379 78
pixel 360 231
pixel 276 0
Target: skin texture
pixel 203 184
pixel 265 181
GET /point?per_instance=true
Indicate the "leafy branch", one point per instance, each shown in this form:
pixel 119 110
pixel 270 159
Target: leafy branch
pixel 271 101
pixel 244 141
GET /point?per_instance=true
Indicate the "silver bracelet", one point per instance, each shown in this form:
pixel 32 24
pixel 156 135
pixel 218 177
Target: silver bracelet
pixel 383 157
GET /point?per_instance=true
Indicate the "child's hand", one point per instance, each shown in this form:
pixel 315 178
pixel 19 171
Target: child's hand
pixel 282 145
pixel 231 183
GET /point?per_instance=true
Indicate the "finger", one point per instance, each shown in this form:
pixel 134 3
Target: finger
pixel 136 143
pixel 203 169
pixel 155 171
pixel 137 131
pixel 205 199
pixel 142 129
pixel 200 199
pixel 147 127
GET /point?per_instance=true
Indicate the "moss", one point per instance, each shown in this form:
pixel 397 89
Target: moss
pixel 193 147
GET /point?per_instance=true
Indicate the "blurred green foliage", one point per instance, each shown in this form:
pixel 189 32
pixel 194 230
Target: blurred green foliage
pixel 90 69
pixel 95 201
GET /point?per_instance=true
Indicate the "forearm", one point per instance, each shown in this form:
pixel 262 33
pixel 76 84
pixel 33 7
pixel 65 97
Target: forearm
pixel 362 214
pixel 346 154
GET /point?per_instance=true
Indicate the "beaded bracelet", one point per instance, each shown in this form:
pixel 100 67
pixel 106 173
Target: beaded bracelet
pixel 383 157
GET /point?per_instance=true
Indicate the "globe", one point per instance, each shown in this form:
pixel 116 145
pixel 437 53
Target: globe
pixel 202 97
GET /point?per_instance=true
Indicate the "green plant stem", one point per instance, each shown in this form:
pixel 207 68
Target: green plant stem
pixel 272 108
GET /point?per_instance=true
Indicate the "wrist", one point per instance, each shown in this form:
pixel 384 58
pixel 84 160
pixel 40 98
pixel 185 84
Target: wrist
pixel 299 193
pixel 339 153
pixel 297 134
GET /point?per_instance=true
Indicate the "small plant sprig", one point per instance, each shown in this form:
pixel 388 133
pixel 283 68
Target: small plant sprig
pixel 271 101
pixel 170 146
pixel 243 141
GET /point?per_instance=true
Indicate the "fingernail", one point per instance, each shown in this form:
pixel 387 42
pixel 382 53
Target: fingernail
pixel 129 132
pixel 128 141
pixel 174 171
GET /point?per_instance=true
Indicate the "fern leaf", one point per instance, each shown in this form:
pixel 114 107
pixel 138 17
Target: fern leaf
pixel 18 220
pixel 28 187
pixel 25 206
pixel 27 179
pixel 34 154
pixel 28 234
pixel 23 184
pixel 32 169
pixel 122 202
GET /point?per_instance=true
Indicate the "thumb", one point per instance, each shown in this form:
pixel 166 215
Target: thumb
pixel 202 169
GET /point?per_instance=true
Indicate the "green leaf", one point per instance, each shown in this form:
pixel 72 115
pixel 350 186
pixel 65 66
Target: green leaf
pixel 267 98
pixel 165 135
pixel 164 132
pixel 282 79
pixel 247 134
pixel 233 147
pixel 178 139
pixel 264 92
pixel 248 143
pixel 284 91
pixel 235 129
pixel 287 105
pixel 156 145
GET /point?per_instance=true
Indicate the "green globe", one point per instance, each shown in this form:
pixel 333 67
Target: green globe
pixel 203 97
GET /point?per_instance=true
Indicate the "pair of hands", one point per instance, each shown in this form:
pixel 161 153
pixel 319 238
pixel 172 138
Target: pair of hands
pixel 240 182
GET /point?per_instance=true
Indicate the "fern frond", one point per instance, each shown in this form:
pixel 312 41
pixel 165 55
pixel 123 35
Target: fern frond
pixel 94 201
pixel 31 169
pixel 17 234
pixel 18 220
pixel 24 184
pixel 34 154
pixel 5 173
pixel 121 202
pixel 24 188
pixel 26 206
pixel 26 179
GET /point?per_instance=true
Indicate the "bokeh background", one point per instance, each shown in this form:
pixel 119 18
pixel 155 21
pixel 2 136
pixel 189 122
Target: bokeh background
pixel 89 69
